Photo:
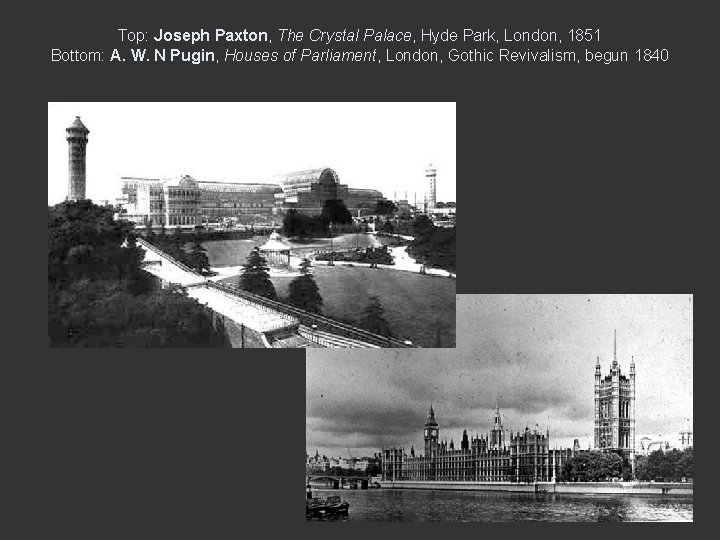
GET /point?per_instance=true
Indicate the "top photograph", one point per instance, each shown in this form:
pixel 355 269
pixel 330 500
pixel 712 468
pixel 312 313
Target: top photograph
pixel 251 225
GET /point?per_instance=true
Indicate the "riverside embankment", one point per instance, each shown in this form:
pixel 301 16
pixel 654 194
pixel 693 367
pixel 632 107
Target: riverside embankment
pixel 600 488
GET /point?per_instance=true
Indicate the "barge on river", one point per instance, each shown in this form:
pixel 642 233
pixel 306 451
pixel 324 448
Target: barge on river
pixel 321 507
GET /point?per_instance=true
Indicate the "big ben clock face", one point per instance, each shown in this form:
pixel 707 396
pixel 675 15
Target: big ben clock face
pixel 433 433
pixel 426 432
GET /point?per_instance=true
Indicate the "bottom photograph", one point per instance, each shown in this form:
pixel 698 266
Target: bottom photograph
pixel 551 408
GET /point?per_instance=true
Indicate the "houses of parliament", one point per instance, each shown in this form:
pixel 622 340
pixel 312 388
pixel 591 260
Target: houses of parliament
pixel 526 456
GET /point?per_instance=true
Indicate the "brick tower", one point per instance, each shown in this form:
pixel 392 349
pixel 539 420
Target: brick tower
pixel 77 140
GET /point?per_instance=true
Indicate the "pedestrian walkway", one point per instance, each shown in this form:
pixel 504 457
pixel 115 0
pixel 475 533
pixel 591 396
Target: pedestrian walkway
pixel 253 316
pixel 277 324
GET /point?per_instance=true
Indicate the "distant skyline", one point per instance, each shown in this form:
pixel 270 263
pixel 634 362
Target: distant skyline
pixel 384 146
pixel 535 354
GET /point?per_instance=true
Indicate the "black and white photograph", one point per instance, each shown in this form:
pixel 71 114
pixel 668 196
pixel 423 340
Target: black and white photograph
pixel 251 225
pixel 553 407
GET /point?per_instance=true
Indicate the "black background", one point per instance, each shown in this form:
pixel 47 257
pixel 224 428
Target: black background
pixel 570 178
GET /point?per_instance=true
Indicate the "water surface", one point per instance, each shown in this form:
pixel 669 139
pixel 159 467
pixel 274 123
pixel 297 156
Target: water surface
pixel 431 505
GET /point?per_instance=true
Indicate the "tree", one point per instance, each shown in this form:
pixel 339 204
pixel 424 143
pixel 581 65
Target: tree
pixel 387 227
pixel 670 466
pixel 176 244
pixel 385 207
pixel 422 225
pixel 335 211
pixel 434 247
pixel 198 259
pixel 372 318
pixel 305 266
pixel 99 295
pixel 303 290
pixel 318 226
pixel 297 225
pixel 256 276
pixel 593 467
pixel 85 241
pixel 290 223
pixel 134 278
pixel 149 234
pixel 685 464
pixel 95 314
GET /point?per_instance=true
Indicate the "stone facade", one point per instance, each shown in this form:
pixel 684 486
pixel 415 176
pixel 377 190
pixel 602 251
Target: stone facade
pixel 526 457
pixel 615 410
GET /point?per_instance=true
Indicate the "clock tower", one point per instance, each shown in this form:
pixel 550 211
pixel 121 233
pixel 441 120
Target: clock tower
pixel 431 434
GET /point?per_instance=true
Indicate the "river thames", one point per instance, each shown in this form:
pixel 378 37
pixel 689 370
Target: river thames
pixel 430 505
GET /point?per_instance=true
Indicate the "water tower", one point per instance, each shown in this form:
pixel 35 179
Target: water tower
pixel 77 139
pixel 430 174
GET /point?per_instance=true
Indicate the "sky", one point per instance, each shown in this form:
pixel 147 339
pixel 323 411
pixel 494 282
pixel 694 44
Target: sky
pixel 534 354
pixel 384 146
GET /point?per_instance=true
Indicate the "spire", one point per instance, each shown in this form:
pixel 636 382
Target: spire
pixel 431 417
pixel 615 350
pixel 498 419
pixel 615 362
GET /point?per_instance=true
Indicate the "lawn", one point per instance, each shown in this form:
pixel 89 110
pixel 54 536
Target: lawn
pixel 415 305
pixel 235 252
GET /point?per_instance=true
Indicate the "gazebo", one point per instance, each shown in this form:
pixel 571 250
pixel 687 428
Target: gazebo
pixel 275 251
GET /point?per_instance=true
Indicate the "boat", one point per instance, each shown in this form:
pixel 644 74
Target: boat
pixel 319 507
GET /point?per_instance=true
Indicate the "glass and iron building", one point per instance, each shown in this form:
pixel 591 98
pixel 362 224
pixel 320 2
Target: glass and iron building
pixel 306 191
pixel 155 202
pixel 187 202
pixel 219 200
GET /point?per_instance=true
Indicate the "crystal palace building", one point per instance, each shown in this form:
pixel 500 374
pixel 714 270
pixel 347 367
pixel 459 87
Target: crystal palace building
pixel 186 202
